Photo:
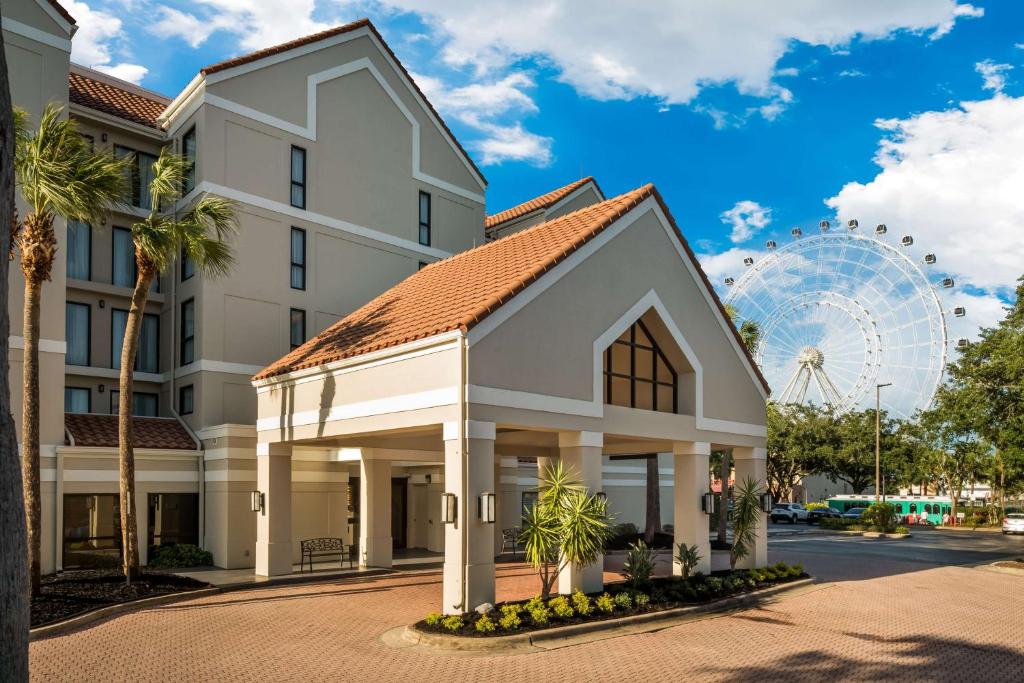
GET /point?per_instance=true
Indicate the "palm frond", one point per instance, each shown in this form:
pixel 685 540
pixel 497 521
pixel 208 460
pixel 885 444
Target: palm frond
pixel 169 172
pixel 206 233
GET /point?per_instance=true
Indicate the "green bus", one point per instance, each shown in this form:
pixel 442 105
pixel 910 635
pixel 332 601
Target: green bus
pixel 931 510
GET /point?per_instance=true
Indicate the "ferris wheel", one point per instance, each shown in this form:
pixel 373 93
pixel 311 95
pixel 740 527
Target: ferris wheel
pixel 840 312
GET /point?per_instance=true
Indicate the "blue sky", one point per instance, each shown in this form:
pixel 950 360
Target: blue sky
pixel 751 118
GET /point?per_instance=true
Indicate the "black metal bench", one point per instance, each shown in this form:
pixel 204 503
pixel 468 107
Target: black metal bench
pixel 329 547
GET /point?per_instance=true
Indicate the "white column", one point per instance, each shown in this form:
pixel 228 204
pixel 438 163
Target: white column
pixel 468 542
pixel 752 463
pixel 690 483
pixel 274 523
pixel 374 511
pixel 580 453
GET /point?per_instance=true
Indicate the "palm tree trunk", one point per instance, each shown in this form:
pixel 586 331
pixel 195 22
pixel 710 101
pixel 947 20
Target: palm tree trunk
pixel 653 516
pixel 14 596
pixel 723 503
pixel 126 450
pixel 30 432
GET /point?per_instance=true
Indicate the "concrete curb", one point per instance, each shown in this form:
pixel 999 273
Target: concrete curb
pixel 865 534
pixel 575 634
pixel 1001 570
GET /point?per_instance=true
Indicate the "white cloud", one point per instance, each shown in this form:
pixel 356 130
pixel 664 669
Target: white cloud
pixel 91 45
pixel 993 75
pixel 728 263
pixel 256 23
pixel 746 218
pixel 851 73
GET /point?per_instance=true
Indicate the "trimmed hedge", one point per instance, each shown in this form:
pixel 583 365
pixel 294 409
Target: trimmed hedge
pixel 179 555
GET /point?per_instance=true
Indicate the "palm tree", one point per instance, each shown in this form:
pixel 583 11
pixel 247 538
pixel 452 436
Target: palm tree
pixel 59 174
pixel 202 233
pixel 749 329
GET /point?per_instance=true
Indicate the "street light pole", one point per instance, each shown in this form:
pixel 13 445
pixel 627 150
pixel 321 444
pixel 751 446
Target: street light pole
pixel 878 439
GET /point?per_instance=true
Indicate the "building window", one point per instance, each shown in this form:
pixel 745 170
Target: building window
pixel 79 250
pixel 77 400
pixel 298 177
pixel 297 327
pixel 147 355
pixel 140 175
pixel 188 266
pixel 188 331
pixel 637 374
pixel 422 265
pixel 173 519
pixel 92 530
pixel 425 219
pixel 298 255
pixel 123 265
pixel 143 404
pixel 186 400
pixel 77 325
pixel 188 150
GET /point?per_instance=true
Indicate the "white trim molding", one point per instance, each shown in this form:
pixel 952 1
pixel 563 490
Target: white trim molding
pixel 433 398
pixel 45 345
pixel 32 33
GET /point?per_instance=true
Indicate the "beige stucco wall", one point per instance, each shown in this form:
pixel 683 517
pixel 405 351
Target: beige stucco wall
pixel 574 203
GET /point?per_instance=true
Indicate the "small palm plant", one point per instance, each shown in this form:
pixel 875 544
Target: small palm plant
pixel 202 232
pixel 565 525
pixel 59 175
pixel 746 513
pixel 687 557
pixel 639 564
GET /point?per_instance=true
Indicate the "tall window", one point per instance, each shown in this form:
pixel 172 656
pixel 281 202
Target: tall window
pixel 188 331
pixel 92 530
pixel 140 174
pixel 173 518
pixel 79 250
pixel 298 195
pixel 298 248
pixel 637 374
pixel 143 404
pixel 188 150
pixel 76 330
pixel 77 400
pixel 425 218
pixel 147 356
pixel 188 266
pixel 186 399
pixel 123 264
pixel 297 327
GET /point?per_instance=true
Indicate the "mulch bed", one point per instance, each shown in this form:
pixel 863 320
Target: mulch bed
pixel 74 592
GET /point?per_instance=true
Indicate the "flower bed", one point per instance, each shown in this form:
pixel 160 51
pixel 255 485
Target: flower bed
pixel 840 524
pixel 619 600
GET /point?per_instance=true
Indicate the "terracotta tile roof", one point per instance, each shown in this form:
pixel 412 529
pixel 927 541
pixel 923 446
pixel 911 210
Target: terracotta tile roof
pixel 61 11
pixel 329 33
pixel 109 99
pixel 460 291
pixel 542 202
pixel 88 429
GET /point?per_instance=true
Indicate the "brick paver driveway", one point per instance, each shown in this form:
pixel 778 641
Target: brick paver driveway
pixel 916 623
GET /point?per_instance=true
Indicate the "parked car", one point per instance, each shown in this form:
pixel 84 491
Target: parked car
pixel 818 514
pixel 788 512
pixel 1013 523
pixel 854 513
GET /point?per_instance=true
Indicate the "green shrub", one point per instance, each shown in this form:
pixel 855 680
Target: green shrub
pixel 540 615
pixel 512 608
pixel 796 571
pixel 433 619
pixel 623 600
pixel 658 596
pixel 510 621
pixel 815 506
pixel 561 607
pixel 639 564
pixel 452 623
pixel 626 529
pixel 714 585
pixel 533 603
pixel 687 557
pixel 484 624
pixel 641 600
pixel 582 603
pixel 604 603
pixel 736 584
pixel 836 523
pixel 179 555
pixel 880 517
pixel 901 530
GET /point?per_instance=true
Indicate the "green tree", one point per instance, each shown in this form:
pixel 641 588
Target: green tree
pixel 749 329
pixel 59 174
pixel 800 439
pixel 565 525
pixel 202 232
pixel 746 514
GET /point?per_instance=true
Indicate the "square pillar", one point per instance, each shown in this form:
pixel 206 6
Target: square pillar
pixel 752 463
pixel 690 483
pixel 375 542
pixel 274 522
pixel 580 453
pixel 468 542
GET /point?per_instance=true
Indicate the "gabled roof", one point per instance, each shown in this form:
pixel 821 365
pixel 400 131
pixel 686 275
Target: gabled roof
pixel 122 102
pixel 88 429
pixel 462 290
pixel 330 33
pixel 545 201
pixel 61 11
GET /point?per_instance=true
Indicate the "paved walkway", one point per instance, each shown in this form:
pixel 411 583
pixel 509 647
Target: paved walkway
pixel 944 623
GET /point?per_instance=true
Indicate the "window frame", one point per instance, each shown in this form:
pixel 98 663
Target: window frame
pixel 115 396
pixel 88 400
pixel 291 257
pixel 182 338
pixel 291 339
pixel 429 222
pixel 88 332
pixel 298 183
pixel 181 399
pixel 188 180
pixel 113 256
pixel 88 268
pixel 657 355
pixel 138 358
pixel 185 261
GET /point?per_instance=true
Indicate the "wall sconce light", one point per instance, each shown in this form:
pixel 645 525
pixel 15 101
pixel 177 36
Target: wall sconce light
pixel 103 137
pixel 449 508
pixel 257 501
pixel 766 502
pixel 103 303
pixel 707 503
pixel 601 496
pixel 487 508
pixel 102 388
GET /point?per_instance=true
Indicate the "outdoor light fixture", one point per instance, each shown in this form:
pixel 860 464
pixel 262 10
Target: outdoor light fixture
pixel 907 240
pixel 486 504
pixel 102 388
pixel 852 224
pixel 796 232
pixel 766 502
pixel 449 506
pixel 257 501
pixel 707 503
pixel 880 229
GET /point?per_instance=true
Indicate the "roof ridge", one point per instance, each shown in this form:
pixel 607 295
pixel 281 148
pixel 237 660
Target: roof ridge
pixel 542 201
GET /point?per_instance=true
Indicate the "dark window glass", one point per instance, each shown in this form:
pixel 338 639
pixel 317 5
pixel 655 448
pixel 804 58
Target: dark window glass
pixel 143 404
pixel 188 150
pixel 92 530
pixel 147 355
pixel 188 266
pixel 186 400
pixel 421 266
pixel 123 266
pixel 188 331
pixel 173 518
pixel 425 219
pixel 139 176
pixel 77 400
pixel 298 192
pixel 79 250
pixel 637 374
pixel 76 330
pixel 298 258
pixel 297 327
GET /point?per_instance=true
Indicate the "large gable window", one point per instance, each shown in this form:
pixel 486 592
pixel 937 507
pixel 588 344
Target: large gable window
pixel 637 374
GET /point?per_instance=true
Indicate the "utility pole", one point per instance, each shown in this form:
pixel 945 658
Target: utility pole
pixel 878 439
